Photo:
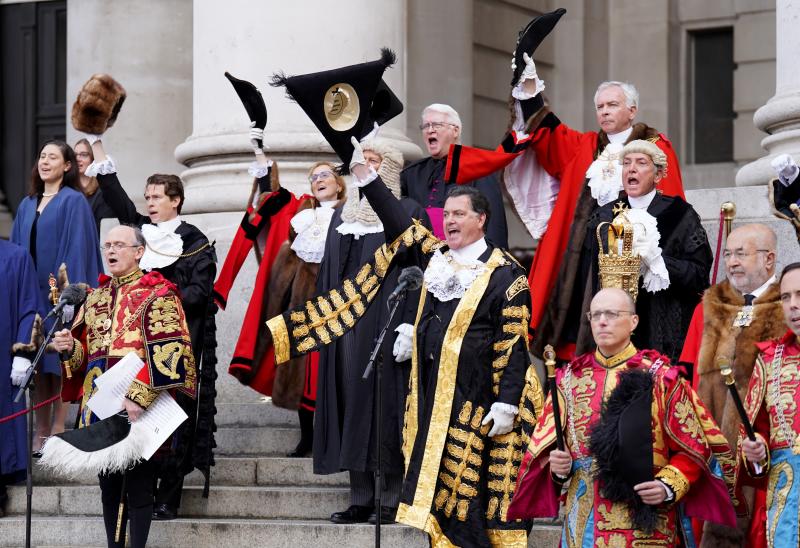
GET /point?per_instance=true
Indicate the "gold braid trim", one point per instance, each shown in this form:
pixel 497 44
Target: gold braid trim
pixel 280 338
pixel 675 480
pixel 508 538
pixel 76 356
pixel 142 394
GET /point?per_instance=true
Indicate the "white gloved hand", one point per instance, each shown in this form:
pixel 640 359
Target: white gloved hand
pixel 19 367
pixel 92 138
pixel 785 168
pixel 502 414
pixel 529 84
pixel 256 134
pixel 404 343
pixel 358 154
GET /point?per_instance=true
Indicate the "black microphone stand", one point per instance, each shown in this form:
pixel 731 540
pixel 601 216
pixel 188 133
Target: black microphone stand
pixel 28 387
pixel 377 358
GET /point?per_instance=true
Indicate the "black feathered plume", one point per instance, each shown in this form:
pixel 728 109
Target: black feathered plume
pixel 388 57
pixel 635 387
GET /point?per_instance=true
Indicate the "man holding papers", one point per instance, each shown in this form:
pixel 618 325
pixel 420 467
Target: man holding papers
pixel 130 312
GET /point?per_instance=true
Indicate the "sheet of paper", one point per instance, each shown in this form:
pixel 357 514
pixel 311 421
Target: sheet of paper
pixel 113 385
pixel 161 419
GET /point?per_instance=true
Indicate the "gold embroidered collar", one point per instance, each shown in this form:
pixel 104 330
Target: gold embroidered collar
pixel 117 281
pixel 616 359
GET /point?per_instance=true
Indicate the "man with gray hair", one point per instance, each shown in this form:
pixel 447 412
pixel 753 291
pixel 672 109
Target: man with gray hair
pixel 733 316
pixel 424 180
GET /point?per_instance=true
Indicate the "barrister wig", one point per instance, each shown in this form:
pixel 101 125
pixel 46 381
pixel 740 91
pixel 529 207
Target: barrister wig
pixel 98 104
pixel 645 147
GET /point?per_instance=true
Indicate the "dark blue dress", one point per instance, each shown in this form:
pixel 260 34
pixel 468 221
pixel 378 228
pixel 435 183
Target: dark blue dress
pixel 65 233
pixel 19 298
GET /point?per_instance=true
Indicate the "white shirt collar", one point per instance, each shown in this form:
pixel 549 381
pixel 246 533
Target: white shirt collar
pixel 620 137
pixel 171 225
pixel 642 202
pixel 469 253
pixel 329 203
pixel 758 291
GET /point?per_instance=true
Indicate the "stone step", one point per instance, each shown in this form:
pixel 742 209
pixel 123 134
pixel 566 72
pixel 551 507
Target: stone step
pixel 256 441
pixel 223 502
pixel 256 413
pixel 232 533
pixel 231 471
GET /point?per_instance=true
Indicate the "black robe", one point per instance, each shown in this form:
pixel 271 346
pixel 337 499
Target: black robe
pixel 423 182
pixel 194 275
pixel 344 427
pixel 664 316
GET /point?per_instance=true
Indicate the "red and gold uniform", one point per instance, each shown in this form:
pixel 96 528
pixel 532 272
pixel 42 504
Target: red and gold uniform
pixel 690 456
pixel 771 404
pixel 138 313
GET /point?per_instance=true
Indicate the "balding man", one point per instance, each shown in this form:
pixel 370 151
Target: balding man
pixel 424 182
pixel 636 454
pixel 733 316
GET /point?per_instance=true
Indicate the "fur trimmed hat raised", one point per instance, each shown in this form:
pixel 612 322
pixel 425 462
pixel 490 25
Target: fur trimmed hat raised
pixel 98 104
pixel 645 147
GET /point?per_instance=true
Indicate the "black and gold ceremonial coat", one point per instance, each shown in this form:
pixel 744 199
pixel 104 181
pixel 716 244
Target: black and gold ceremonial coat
pixel 138 313
pixel 458 481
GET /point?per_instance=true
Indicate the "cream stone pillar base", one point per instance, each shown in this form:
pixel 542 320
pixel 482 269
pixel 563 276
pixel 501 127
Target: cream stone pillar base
pixel 780 117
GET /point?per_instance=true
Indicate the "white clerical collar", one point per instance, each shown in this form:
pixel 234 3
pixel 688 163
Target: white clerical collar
pixel 469 253
pixel 642 202
pixel 620 137
pixel 759 291
pixel 171 225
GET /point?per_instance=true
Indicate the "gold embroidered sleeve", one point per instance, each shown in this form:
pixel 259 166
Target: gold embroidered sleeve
pixel 142 394
pixel 675 480
pixel 76 356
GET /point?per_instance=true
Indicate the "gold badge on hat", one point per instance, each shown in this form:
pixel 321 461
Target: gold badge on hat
pixel 341 106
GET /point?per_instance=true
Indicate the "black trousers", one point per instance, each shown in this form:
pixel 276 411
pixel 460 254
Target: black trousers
pixel 138 504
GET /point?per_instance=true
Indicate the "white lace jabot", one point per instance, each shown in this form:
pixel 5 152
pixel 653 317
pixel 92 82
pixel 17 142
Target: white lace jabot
pixel 448 276
pixel 311 226
pixel 164 246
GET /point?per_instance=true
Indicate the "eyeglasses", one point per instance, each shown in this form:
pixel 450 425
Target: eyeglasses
pixel 612 315
pixel 436 126
pixel 83 155
pixel 739 254
pixel 321 175
pixel 116 246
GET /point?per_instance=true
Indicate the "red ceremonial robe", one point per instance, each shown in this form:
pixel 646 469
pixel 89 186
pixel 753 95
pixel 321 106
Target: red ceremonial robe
pixel 254 221
pixel 565 154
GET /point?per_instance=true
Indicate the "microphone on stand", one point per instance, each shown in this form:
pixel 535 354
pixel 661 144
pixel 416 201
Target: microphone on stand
pixel 410 279
pixel 72 297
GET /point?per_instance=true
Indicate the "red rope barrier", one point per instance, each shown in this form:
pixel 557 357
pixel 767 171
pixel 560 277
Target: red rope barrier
pixel 26 411
pixel 719 244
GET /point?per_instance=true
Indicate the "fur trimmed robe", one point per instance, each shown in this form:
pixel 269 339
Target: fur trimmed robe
pixel 711 336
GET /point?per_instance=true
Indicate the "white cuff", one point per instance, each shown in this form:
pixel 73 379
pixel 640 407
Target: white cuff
pixel 371 177
pixel 788 175
pixel 505 408
pixel 259 170
pixel 106 167
pixel 92 137
pixel 406 329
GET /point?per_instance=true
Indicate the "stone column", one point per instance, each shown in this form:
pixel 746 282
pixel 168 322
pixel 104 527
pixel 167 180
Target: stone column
pixel 780 117
pixel 147 46
pixel 253 40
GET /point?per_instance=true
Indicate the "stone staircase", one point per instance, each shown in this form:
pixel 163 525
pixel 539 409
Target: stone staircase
pixel 258 498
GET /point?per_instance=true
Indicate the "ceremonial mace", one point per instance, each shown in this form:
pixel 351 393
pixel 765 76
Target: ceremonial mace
pixel 550 364
pixel 726 371
pixel 727 212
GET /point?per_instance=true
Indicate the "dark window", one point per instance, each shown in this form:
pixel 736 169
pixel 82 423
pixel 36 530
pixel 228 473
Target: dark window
pixel 711 115
pixel 33 80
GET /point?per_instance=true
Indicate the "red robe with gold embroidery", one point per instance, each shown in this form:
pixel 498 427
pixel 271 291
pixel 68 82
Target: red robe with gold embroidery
pixel 690 455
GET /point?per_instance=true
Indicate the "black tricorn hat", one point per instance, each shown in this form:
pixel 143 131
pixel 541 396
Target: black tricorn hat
pixel 345 102
pixel 251 99
pixel 531 36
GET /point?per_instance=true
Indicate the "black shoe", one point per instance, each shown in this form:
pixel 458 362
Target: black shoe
pixel 354 514
pixel 164 512
pixel 387 515
pixel 302 450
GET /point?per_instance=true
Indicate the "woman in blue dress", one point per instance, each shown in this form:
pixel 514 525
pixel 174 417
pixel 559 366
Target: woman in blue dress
pixel 55 224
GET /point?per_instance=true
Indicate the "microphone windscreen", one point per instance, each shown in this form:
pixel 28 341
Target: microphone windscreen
pixel 412 275
pixel 74 294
